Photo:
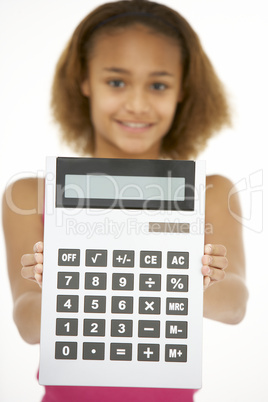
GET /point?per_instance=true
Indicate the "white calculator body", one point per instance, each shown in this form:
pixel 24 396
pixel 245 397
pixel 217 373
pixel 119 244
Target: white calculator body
pixel 122 296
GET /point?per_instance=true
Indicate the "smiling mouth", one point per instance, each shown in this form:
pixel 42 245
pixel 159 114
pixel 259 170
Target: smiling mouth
pixel 135 125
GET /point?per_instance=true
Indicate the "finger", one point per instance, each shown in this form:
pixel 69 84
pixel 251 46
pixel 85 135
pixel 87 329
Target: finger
pixel 214 274
pixel 28 272
pixel 38 247
pixel 31 259
pixel 215 249
pixel 206 282
pixel 215 261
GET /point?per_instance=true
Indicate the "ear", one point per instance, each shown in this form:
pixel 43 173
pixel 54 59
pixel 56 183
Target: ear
pixel 85 88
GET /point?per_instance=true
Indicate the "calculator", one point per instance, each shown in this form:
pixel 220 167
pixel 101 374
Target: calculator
pixel 122 295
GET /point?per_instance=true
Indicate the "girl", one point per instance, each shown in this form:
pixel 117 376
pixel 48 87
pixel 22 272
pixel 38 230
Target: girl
pixel 133 82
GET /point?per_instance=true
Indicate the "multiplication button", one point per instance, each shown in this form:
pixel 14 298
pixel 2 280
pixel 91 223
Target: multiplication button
pixel 149 305
pixel 176 353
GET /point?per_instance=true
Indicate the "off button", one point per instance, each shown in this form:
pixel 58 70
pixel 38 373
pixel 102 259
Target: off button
pixel 68 256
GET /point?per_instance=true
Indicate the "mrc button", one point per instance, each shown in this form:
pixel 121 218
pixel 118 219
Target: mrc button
pixel 176 259
pixel 68 256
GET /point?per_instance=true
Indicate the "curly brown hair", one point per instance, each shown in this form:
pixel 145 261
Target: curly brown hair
pixel 203 111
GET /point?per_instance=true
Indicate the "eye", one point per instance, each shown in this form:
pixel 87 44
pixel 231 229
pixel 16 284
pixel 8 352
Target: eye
pixel 159 86
pixel 116 83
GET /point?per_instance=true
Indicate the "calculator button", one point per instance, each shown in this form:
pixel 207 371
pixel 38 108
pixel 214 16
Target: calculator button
pixel 121 328
pixel 121 351
pixel 94 327
pixel 149 329
pixel 149 305
pixel 95 280
pixel 67 326
pixel 66 350
pixel 177 283
pixel 67 304
pixel 68 256
pixel 123 258
pixel 123 282
pixel 96 258
pixel 177 260
pixel 68 280
pixel 177 306
pixel 95 304
pixel 176 353
pixel 150 282
pixel 176 329
pixel 148 352
pixel 122 305
pixel 93 351
pixel 150 259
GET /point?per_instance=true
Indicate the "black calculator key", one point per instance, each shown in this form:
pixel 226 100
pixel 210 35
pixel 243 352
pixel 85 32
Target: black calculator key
pixel 150 259
pixel 122 305
pixel 94 327
pixel 66 350
pixel 68 280
pixel 123 258
pixel 149 329
pixel 176 329
pixel 123 282
pixel 67 326
pixel 177 283
pixel 95 280
pixel 177 260
pixel 68 256
pixel 95 304
pixel 176 353
pixel 121 328
pixel 121 351
pixel 150 282
pixel 176 306
pixel 96 258
pixel 149 305
pixel 93 351
pixel 148 352
pixel 67 303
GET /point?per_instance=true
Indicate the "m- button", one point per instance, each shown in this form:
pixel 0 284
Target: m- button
pixel 67 257
pixel 150 259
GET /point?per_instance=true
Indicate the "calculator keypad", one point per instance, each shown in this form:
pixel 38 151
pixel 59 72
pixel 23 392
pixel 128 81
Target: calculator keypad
pixel 103 287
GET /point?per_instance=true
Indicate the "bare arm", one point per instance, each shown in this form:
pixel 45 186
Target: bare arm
pixel 226 299
pixel 23 227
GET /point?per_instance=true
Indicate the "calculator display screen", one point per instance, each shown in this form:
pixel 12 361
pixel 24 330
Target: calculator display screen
pixel 125 184
pixel 124 187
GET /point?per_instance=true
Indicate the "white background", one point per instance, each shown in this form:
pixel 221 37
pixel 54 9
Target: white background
pixel 234 34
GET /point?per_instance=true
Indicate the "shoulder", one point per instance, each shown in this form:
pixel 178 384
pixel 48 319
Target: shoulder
pixel 24 195
pixel 221 196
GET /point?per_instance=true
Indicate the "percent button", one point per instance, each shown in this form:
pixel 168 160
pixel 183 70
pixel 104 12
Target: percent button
pixel 177 283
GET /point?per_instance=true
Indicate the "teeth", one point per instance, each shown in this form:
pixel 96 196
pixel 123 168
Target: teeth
pixel 135 125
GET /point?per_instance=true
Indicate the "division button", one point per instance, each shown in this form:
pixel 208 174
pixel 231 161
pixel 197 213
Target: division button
pixel 148 352
pixel 176 353
pixel 150 282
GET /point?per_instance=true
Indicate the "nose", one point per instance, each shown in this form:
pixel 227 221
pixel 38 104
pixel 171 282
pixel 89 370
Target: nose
pixel 137 101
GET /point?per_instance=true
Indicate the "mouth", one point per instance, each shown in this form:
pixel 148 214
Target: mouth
pixel 134 126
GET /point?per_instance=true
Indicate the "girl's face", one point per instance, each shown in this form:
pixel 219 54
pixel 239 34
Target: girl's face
pixel 134 85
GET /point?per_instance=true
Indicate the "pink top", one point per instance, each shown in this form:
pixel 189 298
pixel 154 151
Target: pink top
pixel 105 394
